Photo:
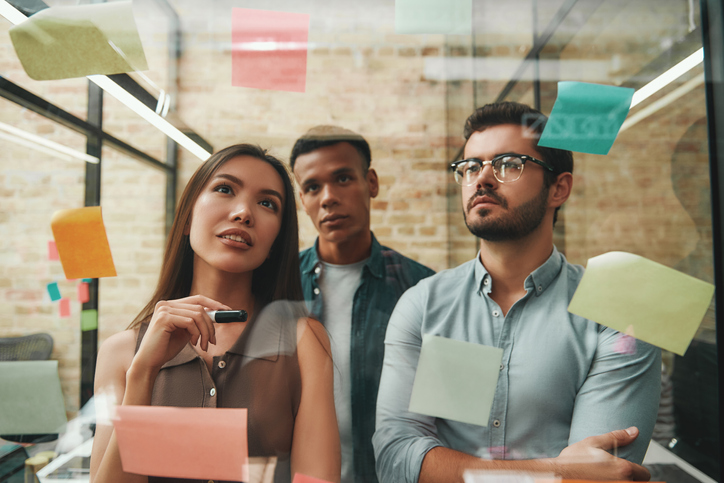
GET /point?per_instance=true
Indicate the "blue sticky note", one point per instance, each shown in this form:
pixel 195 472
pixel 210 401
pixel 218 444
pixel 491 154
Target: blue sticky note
pixel 54 291
pixel 586 117
pixel 434 17
pixel 87 280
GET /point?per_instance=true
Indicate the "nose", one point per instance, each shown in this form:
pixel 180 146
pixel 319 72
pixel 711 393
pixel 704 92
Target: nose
pixel 486 176
pixel 243 214
pixel 329 197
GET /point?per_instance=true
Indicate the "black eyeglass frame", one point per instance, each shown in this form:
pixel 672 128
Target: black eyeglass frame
pixel 522 157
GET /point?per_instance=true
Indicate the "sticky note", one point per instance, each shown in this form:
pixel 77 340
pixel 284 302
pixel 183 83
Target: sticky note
pixel 82 243
pixel 455 380
pixel 64 308
pixel 434 17
pixel 269 49
pixel 643 299
pixel 87 280
pixel 88 320
pixel 52 251
pixel 300 478
pixel 81 40
pixel 31 400
pixel 83 292
pixel 196 443
pixel 586 117
pixel 54 291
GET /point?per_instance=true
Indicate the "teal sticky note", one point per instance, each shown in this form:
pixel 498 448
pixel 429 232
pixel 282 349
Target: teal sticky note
pixel 87 280
pixel 54 291
pixel 586 117
pixel 88 320
pixel 455 380
pixel 31 400
pixel 434 17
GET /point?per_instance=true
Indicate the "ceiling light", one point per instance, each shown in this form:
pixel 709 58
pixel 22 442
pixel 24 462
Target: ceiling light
pixel 668 77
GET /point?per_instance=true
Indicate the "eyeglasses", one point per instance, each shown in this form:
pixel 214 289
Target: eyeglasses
pixel 507 168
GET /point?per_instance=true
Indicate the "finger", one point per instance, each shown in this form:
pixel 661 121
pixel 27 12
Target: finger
pixel 212 329
pixel 639 473
pixel 182 321
pixel 614 439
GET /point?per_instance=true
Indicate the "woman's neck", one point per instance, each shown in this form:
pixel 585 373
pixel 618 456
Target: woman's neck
pixel 232 289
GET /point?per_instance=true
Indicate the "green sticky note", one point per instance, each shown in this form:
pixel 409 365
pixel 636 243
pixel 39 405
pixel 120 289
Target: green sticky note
pixel 66 42
pixel 88 320
pixel 455 380
pixel 586 117
pixel 643 299
pixel 434 17
pixel 31 401
pixel 54 291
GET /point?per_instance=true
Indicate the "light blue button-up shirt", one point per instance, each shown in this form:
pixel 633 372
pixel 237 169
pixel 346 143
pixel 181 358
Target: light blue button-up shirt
pixel 562 378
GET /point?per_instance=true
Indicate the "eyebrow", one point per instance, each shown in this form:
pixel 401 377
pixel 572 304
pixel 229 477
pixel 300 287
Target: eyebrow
pixel 336 172
pixel 237 181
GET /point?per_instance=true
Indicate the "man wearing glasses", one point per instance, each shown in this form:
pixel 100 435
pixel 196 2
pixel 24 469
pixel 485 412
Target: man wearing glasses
pixel 565 392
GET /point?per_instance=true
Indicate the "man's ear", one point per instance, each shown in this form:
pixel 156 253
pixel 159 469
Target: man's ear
pixel 373 182
pixel 560 190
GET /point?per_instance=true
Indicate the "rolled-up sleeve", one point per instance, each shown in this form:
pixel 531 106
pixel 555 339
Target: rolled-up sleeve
pixel 402 439
pixel 622 390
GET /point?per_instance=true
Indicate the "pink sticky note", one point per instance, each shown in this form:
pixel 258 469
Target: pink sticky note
pixel 269 49
pixel 196 443
pixel 83 292
pixel 300 478
pixel 64 307
pixel 52 251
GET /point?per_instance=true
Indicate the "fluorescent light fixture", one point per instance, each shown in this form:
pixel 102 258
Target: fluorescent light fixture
pixel 16 17
pixel 668 77
pixel 34 141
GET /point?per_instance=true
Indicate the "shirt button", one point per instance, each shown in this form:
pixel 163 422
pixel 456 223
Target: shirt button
pixel 222 364
pixel 316 291
pixel 212 392
pixel 495 313
pixel 501 367
pixel 485 282
pixel 496 423
pixel 317 270
pixel 540 288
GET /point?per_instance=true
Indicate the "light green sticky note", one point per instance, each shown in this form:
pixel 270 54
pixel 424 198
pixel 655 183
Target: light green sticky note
pixel 31 401
pixel 434 17
pixel 66 42
pixel 455 380
pixel 586 117
pixel 644 299
pixel 88 320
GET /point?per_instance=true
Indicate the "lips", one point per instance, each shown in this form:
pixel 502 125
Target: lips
pixel 236 236
pixel 333 218
pixel 482 197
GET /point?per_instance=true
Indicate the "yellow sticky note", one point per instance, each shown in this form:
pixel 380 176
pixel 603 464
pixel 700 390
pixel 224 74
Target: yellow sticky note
pixel 643 299
pixel 82 243
pixel 66 42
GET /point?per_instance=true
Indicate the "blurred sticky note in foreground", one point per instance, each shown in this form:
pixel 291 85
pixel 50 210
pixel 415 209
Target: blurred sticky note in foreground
pixel 52 251
pixel 82 243
pixel 83 292
pixel 31 401
pixel 300 478
pixel 64 308
pixel 88 320
pixel 269 49
pixel 586 117
pixel 76 41
pixel 644 299
pixel 195 443
pixel 455 380
pixel 434 17
pixel 54 291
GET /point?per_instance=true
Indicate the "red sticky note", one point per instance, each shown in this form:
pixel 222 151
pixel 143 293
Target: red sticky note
pixel 64 307
pixel 300 478
pixel 83 292
pixel 269 49
pixel 52 251
pixel 195 443
pixel 82 243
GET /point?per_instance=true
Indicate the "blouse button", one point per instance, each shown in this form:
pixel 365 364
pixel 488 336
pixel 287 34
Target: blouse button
pixel 316 291
pixel 496 423
pixel 212 392
pixel 317 270
pixel 222 364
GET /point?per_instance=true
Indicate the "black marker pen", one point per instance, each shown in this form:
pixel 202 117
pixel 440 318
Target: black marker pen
pixel 226 316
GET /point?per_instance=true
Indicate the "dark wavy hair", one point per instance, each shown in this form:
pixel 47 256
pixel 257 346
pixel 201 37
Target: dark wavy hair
pixel 276 279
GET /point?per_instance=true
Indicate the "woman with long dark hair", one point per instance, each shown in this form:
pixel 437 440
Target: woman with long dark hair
pixel 233 246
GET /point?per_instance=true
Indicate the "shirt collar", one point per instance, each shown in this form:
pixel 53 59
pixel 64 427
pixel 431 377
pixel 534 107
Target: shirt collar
pixel 375 263
pixel 537 282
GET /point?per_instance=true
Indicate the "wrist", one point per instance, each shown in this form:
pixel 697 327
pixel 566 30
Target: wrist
pixel 141 376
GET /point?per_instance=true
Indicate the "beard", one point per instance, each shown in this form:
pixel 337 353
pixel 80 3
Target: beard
pixel 513 225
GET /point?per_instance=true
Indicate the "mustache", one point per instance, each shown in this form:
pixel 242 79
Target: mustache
pixel 490 194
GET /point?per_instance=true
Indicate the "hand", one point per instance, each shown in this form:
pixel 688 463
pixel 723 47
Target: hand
pixel 589 459
pixel 173 325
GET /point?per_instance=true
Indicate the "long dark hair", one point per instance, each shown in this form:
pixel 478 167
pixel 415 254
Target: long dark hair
pixel 276 279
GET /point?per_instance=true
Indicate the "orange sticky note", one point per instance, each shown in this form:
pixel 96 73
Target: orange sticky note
pixel 83 293
pixel 269 49
pixel 300 478
pixel 52 251
pixel 64 307
pixel 195 443
pixel 82 243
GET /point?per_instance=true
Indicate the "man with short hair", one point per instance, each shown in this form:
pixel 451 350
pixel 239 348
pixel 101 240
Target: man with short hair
pixel 565 389
pixel 350 281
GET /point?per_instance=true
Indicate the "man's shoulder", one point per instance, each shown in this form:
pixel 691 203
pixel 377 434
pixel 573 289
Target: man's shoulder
pixel 447 279
pixel 398 264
